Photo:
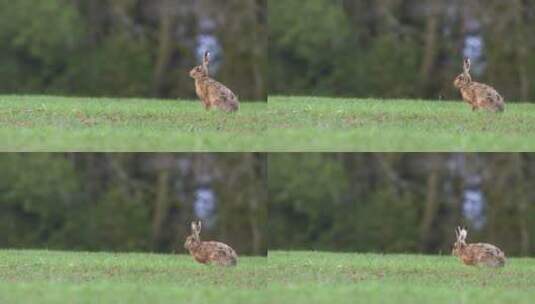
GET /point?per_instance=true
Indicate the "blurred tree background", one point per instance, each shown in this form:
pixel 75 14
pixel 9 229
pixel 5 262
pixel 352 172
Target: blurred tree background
pixel 132 202
pixel 400 48
pixel 131 47
pixel 401 202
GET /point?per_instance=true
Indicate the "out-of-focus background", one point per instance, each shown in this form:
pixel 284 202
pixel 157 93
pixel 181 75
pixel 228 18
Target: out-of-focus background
pixel 401 202
pixel 124 48
pixel 400 48
pixel 132 202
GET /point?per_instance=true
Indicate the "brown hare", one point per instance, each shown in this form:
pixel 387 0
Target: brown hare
pixel 211 92
pixel 479 254
pixel 478 95
pixel 214 253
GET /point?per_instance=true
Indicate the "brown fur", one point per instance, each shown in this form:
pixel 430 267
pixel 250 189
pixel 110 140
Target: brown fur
pixel 479 254
pixel 213 93
pixel 478 95
pixel 215 253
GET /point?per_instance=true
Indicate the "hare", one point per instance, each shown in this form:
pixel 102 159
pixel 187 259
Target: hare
pixel 211 92
pixel 215 253
pixel 478 95
pixel 479 254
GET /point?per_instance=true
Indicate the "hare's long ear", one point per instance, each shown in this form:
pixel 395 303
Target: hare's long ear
pixel 193 227
pixel 466 66
pixel 463 233
pixel 196 229
pixel 206 61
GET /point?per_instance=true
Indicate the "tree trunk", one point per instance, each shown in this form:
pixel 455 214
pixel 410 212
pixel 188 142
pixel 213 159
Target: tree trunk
pixel 431 205
pixel 166 46
pixel 161 207
pixel 430 44
pixel 523 206
pixel 522 51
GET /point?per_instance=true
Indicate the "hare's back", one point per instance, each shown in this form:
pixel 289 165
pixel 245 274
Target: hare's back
pixel 219 91
pixel 488 254
pixel 483 90
pixel 218 251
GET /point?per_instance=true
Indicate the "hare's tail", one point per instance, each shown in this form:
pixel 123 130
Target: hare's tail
pixel 230 106
pixel 233 261
pixel 501 261
pixel 500 107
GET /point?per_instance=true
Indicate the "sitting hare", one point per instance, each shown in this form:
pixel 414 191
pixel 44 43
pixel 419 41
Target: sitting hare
pixel 479 254
pixel 209 252
pixel 478 95
pixel 211 92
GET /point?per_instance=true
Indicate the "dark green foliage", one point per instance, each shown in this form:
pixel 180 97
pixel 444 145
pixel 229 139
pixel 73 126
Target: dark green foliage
pixel 129 202
pixel 307 40
pixel 397 49
pixel 312 208
pixel 118 65
pixel 36 36
pixel 127 48
pixel 398 202
pixel 35 193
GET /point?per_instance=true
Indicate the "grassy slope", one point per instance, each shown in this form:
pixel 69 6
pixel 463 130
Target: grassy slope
pixel 298 277
pixel 287 277
pixel 324 124
pixel 287 124
pixel 59 277
pixel 83 124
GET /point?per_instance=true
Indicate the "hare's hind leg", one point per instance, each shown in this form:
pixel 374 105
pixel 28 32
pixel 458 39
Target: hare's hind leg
pixel 207 105
pixel 492 262
pixel 483 103
pixel 222 105
pixel 227 261
pixel 472 104
pixel 493 105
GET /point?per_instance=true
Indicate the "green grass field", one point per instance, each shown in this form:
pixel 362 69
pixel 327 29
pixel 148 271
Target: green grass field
pixel 131 125
pixel 286 124
pixel 60 277
pixel 308 277
pixel 336 125
pixel 285 277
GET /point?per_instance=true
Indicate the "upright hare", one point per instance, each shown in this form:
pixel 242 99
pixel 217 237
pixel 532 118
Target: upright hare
pixel 478 95
pixel 209 252
pixel 479 254
pixel 211 92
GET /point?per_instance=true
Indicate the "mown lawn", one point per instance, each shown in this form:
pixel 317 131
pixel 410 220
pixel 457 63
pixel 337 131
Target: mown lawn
pixel 45 123
pixel 327 124
pixel 301 124
pixel 311 277
pixel 62 277
pixel 28 276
